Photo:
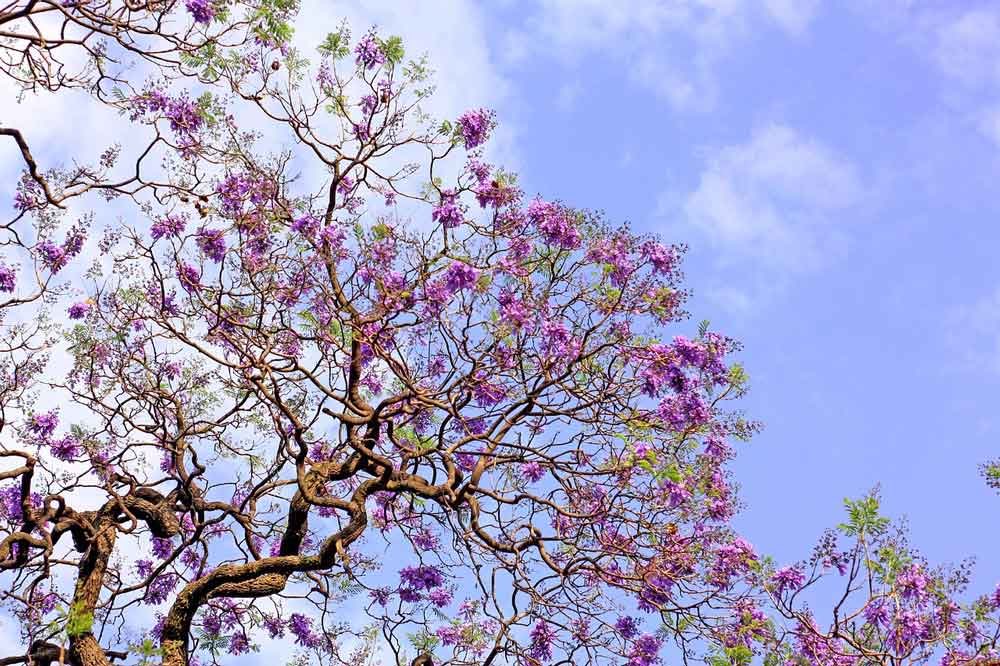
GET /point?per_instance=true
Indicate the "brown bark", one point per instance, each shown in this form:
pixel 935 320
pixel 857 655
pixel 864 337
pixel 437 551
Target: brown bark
pixel 83 647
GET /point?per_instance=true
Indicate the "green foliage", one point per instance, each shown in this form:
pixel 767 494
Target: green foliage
pixel 269 22
pixel 739 655
pixel 423 641
pixel 206 106
pixel 863 518
pixel 149 654
pixel 336 45
pixel 392 49
pixel 737 375
pixel 78 621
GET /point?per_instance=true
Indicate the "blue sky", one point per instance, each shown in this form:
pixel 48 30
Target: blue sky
pixel 833 168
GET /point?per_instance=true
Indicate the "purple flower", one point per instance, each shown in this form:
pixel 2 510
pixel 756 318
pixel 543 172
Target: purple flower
pixel 275 626
pixel 171 225
pixel 542 636
pixel 627 626
pixel 732 559
pixel 189 277
pixel 683 411
pixel 912 583
pixel 644 651
pixel 555 223
pixel 368 104
pixel 449 635
pixel 10 502
pixel 788 578
pixel 191 560
pixel 425 540
pixel 662 257
pixel 211 624
pixel 487 394
pixel 514 310
pixel 613 252
pixel 144 567
pixel 162 548
pixel 676 492
pixel 53 256
pixel 381 595
pixel 239 644
pixel 440 597
pixel 448 212
pixel 460 275
pixel 213 243
pixel 476 126
pixel 307 225
pixel 43 425
pixel 8 278
pixel 79 310
pixel 877 613
pixel 201 11
pixel 532 471
pixel 655 593
pixel 301 627
pixel 368 51
pixel 67 448
pixel 421 577
pixel 160 589
pixel 557 343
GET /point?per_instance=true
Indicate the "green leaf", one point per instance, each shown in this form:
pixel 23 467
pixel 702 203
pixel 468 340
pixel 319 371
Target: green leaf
pixel 392 49
pixel 336 44
pixel 79 621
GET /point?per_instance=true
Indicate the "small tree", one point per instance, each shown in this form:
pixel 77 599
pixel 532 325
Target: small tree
pixel 361 393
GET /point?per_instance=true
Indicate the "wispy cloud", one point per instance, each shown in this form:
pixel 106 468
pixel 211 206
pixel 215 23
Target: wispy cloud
pixel 960 43
pixel 966 46
pixel 773 200
pixel 974 333
pixel 770 208
pixel 671 47
pixel 794 16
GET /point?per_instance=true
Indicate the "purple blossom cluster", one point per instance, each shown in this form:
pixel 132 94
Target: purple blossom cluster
pixel 556 224
pixel 79 310
pixel 10 502
pixel 300 626
pixel 368 52
pixel 8 278
pixel 55 257
pixel 475 126
pixel 448 212
pixel 171 226
pixel 185 118
pixel 422 577
pixel 543 636
pixel 160 588
pixel 212 243
pixel 202 11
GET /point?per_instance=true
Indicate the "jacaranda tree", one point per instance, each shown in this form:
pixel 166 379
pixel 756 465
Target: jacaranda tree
pixel 362 393
pixel 301 367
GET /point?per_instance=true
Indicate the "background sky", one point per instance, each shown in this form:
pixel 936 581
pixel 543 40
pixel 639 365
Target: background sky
pixel 833 167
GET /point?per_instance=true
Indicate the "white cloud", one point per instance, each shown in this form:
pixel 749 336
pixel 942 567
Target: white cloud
pixel 794 16
pixel 989 124
pixel 974 333
pixel 960 42
pixel 670 47
pixel 967 46
pixel 774 200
